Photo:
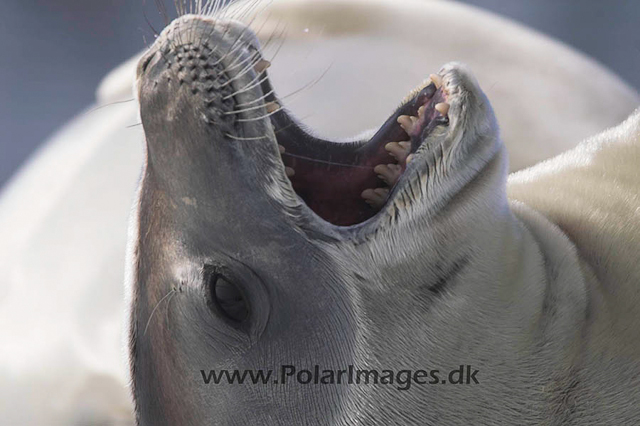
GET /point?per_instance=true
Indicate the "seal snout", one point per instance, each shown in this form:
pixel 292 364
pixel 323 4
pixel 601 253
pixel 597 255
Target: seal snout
pixel 204 67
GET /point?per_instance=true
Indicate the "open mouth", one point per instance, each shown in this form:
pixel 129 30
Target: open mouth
pixel 344 183
pixel 347 183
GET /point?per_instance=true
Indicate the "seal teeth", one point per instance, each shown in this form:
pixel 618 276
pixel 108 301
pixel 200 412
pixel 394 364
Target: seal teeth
pixel 409 158
pixel 399 150
pixel 421 111
pixel 281 149
pixel 375 197
pixel 443 108
pixel 389 173
pixel 261 65
pixel 407 122
pixel 290 172
pixel 272 107
pixel 436 79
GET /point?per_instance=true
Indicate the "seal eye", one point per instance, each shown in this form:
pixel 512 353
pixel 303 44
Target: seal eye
pixel 228 298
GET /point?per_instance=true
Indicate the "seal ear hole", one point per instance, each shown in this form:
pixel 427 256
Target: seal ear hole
pixel 228 299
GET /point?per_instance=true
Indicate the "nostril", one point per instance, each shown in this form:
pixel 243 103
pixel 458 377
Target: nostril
pixel 145 64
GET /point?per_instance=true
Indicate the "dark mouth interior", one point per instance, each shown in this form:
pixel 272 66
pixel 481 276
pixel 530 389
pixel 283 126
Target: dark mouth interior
pixel 348 183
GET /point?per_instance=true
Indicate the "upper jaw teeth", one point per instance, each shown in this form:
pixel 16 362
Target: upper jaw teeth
pixel 443 108
pixel 272 107
pixel 261 65
pixel 408 123
pixel 436 79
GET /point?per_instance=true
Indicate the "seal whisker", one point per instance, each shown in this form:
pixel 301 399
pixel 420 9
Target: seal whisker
pixel 331 163
pixel 308 85
pixel 255 3
pixel 253 59
pixel 180 7
pixel 248 120
pixel 146 18
pixel 192 26
pixel 206 8
pixel 223 10
pixel 172 292
pixel 255 101
pixel 247 88
pixel 162 10
pixel 240 74
pixel 281 36
pixel 246 9
pixel 219 6
pixel 240 111
pixel 236 62
pixel 107 105
pixel 282 129
pixel 231 66
pixel 209 35
pixel 261 11
pixel 239 138
pixel 166 312
pixel 233 49
pixel 211 7
pixel 295 92
pixel 251 21
pixel 260 29
pixel 260 74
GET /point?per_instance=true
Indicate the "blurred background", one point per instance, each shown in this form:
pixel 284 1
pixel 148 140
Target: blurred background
pixel 55 52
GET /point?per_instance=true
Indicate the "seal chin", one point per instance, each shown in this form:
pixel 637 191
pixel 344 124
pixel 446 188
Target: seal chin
pixel 204 72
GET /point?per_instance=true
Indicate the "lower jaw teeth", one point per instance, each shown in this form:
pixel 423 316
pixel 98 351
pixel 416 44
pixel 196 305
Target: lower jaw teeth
pixel 389 173
pixel 375 197
pixel 400 151
pixel 408 123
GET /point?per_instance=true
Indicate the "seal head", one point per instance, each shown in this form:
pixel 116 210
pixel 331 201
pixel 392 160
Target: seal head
pixel 259 244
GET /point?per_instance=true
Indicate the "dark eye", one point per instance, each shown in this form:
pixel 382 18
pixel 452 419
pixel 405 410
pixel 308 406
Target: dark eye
pixel 228 298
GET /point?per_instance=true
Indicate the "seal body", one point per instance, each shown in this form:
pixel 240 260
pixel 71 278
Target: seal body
pixel 63 218
pixel 424 262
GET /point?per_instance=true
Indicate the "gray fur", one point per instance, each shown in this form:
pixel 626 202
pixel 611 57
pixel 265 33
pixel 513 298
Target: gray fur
pixel 449 273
